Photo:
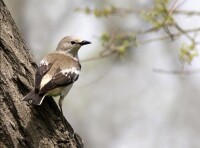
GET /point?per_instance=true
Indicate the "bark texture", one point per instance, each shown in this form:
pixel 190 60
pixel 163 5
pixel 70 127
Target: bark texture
pixel 21 124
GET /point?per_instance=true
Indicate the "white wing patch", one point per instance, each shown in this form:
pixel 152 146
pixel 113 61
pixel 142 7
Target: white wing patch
pixel 43 62
pixel 72 70
pixel 46 77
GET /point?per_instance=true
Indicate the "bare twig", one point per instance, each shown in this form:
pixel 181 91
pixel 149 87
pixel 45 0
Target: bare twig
pixel 186 12
pixel 181 72
pixel 120 11
pixel 174 7
pixel 164 37
pixel 110 50
pixel 99 57
pixel 184 33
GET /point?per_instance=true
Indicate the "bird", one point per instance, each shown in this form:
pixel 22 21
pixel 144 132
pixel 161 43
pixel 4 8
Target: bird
pixel 57 71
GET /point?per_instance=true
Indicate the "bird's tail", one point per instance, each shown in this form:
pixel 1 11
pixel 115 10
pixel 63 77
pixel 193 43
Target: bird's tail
pixel 34 97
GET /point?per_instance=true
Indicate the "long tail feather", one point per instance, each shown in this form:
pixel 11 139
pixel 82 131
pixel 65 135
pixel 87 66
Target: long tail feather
pixel 35 98
pixel 29 96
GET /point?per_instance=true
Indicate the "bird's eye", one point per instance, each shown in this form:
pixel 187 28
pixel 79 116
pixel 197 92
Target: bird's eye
pixel 72 42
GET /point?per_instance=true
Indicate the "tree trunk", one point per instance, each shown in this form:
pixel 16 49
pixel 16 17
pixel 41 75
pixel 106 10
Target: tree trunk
pixel 21 124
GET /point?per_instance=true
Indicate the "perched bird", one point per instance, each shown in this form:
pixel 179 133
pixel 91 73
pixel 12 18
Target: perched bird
pixel 57 71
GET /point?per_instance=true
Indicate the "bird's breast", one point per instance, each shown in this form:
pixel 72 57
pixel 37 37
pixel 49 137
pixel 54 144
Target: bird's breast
pixel 59 91
pixel 55 92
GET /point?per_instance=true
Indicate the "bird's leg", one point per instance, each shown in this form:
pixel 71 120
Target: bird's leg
pixel 60 103
pixel 65 122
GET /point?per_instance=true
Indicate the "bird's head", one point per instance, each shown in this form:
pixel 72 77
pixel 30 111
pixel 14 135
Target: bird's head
pixel 71 45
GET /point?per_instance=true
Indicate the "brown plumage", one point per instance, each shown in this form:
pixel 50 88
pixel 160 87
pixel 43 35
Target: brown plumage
pixel 57 71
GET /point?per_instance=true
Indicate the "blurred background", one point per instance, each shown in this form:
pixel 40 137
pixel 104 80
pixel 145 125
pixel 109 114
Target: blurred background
pixel 120 102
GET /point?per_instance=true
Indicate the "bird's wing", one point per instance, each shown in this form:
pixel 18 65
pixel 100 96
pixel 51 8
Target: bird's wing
pixel 61 78
pixel 43 68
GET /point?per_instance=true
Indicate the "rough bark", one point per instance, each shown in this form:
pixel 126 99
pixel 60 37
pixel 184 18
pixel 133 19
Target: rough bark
pixel 21 124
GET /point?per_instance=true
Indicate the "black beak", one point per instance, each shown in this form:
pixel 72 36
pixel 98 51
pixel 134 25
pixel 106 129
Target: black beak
pixel 84 43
